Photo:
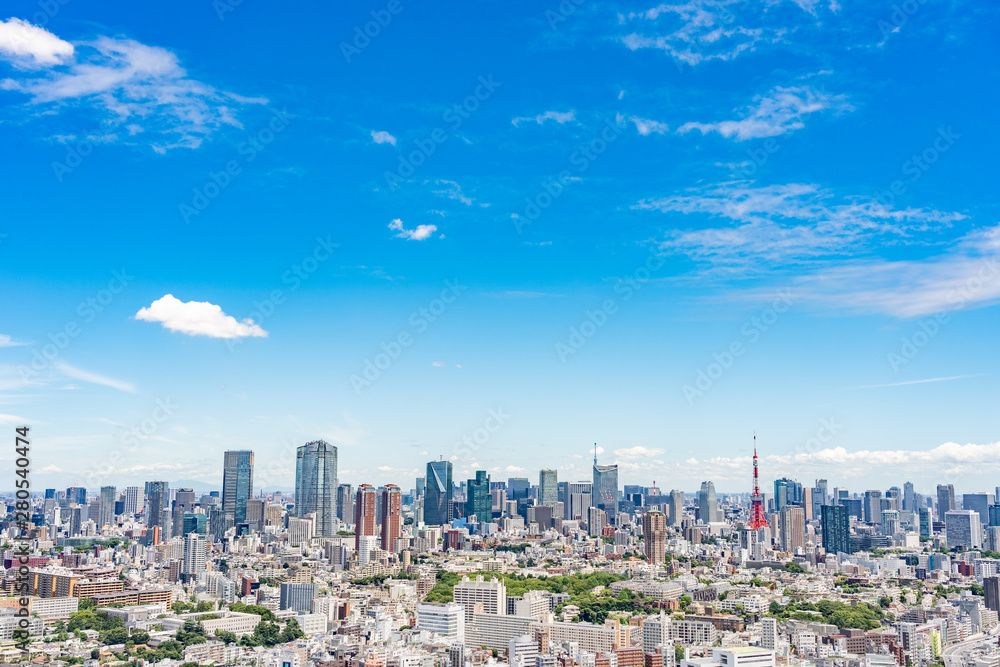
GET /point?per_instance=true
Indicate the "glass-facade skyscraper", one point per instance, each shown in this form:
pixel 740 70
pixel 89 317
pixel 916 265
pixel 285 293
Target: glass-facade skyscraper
pixel 237 483
pixel 605 490
pixel 548 487
pixel 836 525
pixel 478 500
pixel 106 506
pixel 438 508
pixel 316 485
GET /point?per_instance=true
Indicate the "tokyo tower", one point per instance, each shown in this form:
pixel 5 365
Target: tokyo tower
pixel 757 518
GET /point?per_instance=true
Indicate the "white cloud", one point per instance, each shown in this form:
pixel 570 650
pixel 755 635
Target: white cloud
pixel 419 234
pixel 198 318
pixel 7 341
pixel 453 190
pixel 12 420
pixel 29 46
pixel 778 112
pixel 437 364
pixel 561 117
pixel 514 469
pixel 787 222
pixel 638 452
pixel 645 126
pixel 126 81
pixel 93 378
pixel 383 137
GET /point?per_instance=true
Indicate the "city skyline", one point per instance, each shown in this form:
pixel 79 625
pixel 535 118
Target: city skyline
pixel 611 239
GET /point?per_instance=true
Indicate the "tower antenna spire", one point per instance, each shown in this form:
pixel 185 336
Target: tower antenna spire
pixel 595 453
pixel 757 518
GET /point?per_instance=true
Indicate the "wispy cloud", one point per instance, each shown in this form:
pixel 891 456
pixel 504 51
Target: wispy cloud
pixel 911 382
pixel 128 84
pixel 452 190
pixel 780 111
pixel 560 117
pixel 7 341
pixel 198 318
pixel 93 378
pixel 646 126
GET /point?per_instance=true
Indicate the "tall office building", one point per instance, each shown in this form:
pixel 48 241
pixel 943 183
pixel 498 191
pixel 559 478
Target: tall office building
pixel 517 488
pixel 548 487
pixel 135 500
pixel 909 497
pixel 158 507
pixel 786 492
pixel 836 525
pixel 316 485
pixel 946 499
pixel 392 509
pixel 991 591
pixel 675 507
pixel 438 507
pixel 106 506
pixel 298 597
pixel 345 503
pixel 979 502
pixel 873 506
pixel 478 501
pixel 77 495
pixel 580 495
pixel 605 489
pixel 926 526
pixel 792 528
pixel 365 508
pixel 963 529
pixel 823 487
pixel 654 535
pixel 194 555
pixel 597 519
pixel 890 522
pixel 993 517
pixel 237 483
pixel 708 506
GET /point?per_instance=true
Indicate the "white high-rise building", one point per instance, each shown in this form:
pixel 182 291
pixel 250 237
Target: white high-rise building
pixel 963 528
pixel 367 545
pixel 769 633
pixel 446 619
pixel 135 499
pixel 491 594
pixel 522 651
pixel 194 554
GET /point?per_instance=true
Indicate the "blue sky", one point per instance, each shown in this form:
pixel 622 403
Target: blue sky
pixel 657 228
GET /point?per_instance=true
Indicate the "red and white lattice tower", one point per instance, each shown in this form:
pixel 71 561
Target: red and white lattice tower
pixel 757 518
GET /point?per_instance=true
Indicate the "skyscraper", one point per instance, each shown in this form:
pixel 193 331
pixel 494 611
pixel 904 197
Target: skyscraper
pixel 364 513
pixel 963 529
pixel 194 555
pixel 478 501
pixel 106 508
pixel 993 517
pixel 836 525
pixel 392 507
pixel 792 528
pixel 946 499
pixel 345 503
pixel 548 487
pixel 675 507
pixel 605 489
pixel 135 500
pixel 909 497
pixel 991 591
pixel 979 502
pixel 654 535
pixel 76 494
pixel 316 485
pixel 157 507
pixel 580 496
pixel 517 488
pixel 237 483
pixel 708 506
pixel 438 508
pixel 926 526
